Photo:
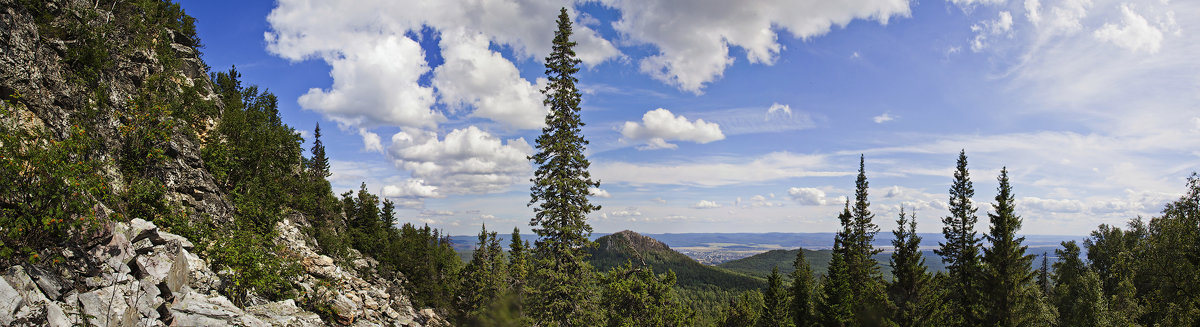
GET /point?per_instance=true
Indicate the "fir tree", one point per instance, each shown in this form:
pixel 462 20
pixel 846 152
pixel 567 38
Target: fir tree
pixel 870 303
pixel 775 303
pixel 638 297
pixel 835 307
pixel 960 252
pixel 802 292
pixel 913 295
pixel 319 163
pixel 1006 267
pixel 1044 276
pixel 743 310
pixel 564 284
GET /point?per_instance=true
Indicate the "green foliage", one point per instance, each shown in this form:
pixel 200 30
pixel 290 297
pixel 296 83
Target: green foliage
pixel 254 265
pixel 484 278
pixel 835 304
pixel 802 292
pixel 960 252
pixel 916 299
pixel 743 310
pixel 855 285
pixel 1077 292
pixel 776 303
pixel 613 251
pixel 49 187
pixel 1168 274
pixel 1007 270
pixel 563 283
pixel 428 262
pixel 638 297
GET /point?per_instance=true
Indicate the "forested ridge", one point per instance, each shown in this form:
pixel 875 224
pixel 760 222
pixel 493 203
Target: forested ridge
pixel 137 128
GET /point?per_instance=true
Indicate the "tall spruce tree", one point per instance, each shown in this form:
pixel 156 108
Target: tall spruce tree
pixel 320 163
pixel 801 291
pixel 914 296
pixel 871 302
pixel 1007 270
pixel 835 306
pixel 564 283
pixel 960 252
pixel 1044 276
pixel 775 302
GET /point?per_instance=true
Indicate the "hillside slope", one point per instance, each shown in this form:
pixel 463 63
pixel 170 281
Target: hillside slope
pixel 627 246
pixel 112 212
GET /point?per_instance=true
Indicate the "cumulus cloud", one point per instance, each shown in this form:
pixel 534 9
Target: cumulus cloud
pixel 466 161
pixel 1136 34
pixel 693 39
pixel 376 65
pixel 474 75
pixel 628 212
pixel 706 204
pixel 599 192
pixel 660 125
pixel 885 117
pixel 968 5
pixel 411 188
pixel 807 196
pixel 371 141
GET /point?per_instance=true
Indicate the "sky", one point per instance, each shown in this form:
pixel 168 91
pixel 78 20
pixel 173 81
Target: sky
pixel 739 116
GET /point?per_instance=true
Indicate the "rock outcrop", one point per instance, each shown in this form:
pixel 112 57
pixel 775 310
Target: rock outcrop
pixel 147 277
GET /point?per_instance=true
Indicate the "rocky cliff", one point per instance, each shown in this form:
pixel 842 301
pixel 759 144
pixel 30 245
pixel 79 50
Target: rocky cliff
pixel 126 271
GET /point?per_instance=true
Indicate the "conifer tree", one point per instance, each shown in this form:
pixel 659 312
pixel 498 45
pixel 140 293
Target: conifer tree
pixel 743 310
pixel 483 278
pixel 835 307
pixel 871 300
pixel 1006 268
pixel 638 297
pixel 775 303
pixel 913 295
pixel 564 283
pixel 1044 276
pixel 802 292
pixel 960 252
pixel 518 262
pixel 320 163
pixel 1077 291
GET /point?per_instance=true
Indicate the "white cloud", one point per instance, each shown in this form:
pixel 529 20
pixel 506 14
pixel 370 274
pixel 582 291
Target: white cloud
pixel 758 201
pixel 466 161
pixel 807 196
pixel 885 117
pixel 1136 35
pixel 968 5
pixel 777 109
pixel 371 141
pixel 411 188
pixel 1051 205
pixel 376 65
pixel 659 200
pixel 706 204
pixel 1033 10
pixel 1002 25
pixel 375 82
pixel 660 125
pixel 693 39
pixel 599 192
pixel 475 75
pixel 628 212
pixel 716 171
pixel 432 213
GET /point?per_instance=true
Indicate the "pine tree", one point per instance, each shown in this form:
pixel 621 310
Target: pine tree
pixel 1006 267
pixel 1077 291
pixel 564 282
pixel 743 310
pixel 1044 276
pixel 913 295
pixel 837 300
pixel 483 280
pixel 960 252
pixel 320 163
pixel 775 303
pixel 802 292
pixel 518 262
pixel 870 305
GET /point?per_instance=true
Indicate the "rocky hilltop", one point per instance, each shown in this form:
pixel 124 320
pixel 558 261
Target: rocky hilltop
pixel 70 66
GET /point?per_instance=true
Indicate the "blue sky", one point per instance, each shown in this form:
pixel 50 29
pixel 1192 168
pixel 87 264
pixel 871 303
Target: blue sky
pixel 727 116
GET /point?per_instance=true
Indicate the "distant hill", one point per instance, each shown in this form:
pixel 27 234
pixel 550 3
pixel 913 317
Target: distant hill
pixel 760 264
pixel 628 246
